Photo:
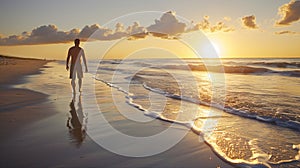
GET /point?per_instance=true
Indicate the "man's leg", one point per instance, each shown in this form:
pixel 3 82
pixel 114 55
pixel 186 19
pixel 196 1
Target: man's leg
pixel 80 83
pixel 79 75
pixel 73 85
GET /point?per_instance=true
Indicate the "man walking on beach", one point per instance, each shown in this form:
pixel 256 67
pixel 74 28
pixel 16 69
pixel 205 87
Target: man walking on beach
pixel 75 53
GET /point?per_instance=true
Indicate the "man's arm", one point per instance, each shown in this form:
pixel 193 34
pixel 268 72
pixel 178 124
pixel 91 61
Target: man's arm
pixel 84 61
pixel 68 58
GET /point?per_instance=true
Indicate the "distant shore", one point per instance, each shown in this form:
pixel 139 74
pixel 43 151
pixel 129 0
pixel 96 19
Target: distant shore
pixel 14 68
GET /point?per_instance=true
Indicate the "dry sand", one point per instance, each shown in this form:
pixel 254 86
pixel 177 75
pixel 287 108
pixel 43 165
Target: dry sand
pixel 16 103
pixel 13 68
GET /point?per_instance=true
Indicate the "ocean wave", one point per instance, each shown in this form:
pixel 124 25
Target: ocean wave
pixel 218 68
pixel 252 68
pixel 145 77
pixel 244 102
pixel 110 61
pixel 295 125
pixel 278 64
pixel 232 69
pixel 295 73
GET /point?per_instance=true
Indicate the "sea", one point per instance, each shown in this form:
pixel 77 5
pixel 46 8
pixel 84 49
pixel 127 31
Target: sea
pixel 246 110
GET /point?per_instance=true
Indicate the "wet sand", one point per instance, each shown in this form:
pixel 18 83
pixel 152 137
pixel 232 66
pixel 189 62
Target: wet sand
pixel 34 117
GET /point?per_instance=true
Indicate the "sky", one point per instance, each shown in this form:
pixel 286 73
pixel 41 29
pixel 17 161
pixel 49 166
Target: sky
pixel 235 28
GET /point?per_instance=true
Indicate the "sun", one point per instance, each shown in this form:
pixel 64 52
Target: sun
pixel 210 49
pixel 217 48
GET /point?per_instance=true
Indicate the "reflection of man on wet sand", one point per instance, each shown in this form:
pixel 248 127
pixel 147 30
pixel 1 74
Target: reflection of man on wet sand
pixel 77 123
pixel 75 53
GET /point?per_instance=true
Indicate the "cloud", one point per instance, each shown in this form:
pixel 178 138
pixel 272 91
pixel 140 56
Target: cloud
pixel 167 24
pixel 48 34
pixel 226 18
pixel 41 35
pixel 138 36
pixel 249 22
pixel 136 31
pixel 96 32
pixel 290 13
pixel 166 27
pixel 205 25
pixel 87 31
pixel 136 28
pixel 286 32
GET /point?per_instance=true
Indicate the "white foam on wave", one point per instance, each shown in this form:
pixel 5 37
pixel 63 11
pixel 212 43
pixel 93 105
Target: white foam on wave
pixel 259 159
pixel 257 154
pixel 297 147
pixel 156 115
pixel 129 96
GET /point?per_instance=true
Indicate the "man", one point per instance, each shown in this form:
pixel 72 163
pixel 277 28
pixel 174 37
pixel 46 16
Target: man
pixel 75 53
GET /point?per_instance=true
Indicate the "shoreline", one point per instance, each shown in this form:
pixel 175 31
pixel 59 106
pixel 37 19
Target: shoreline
pixel 33 122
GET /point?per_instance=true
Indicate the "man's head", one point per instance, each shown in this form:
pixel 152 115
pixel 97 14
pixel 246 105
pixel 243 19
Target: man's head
pixel 77 42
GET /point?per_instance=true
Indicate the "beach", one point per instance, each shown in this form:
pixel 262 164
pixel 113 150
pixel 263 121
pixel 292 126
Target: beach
pixel 13 71
pixel 36 108
pixel 150 84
